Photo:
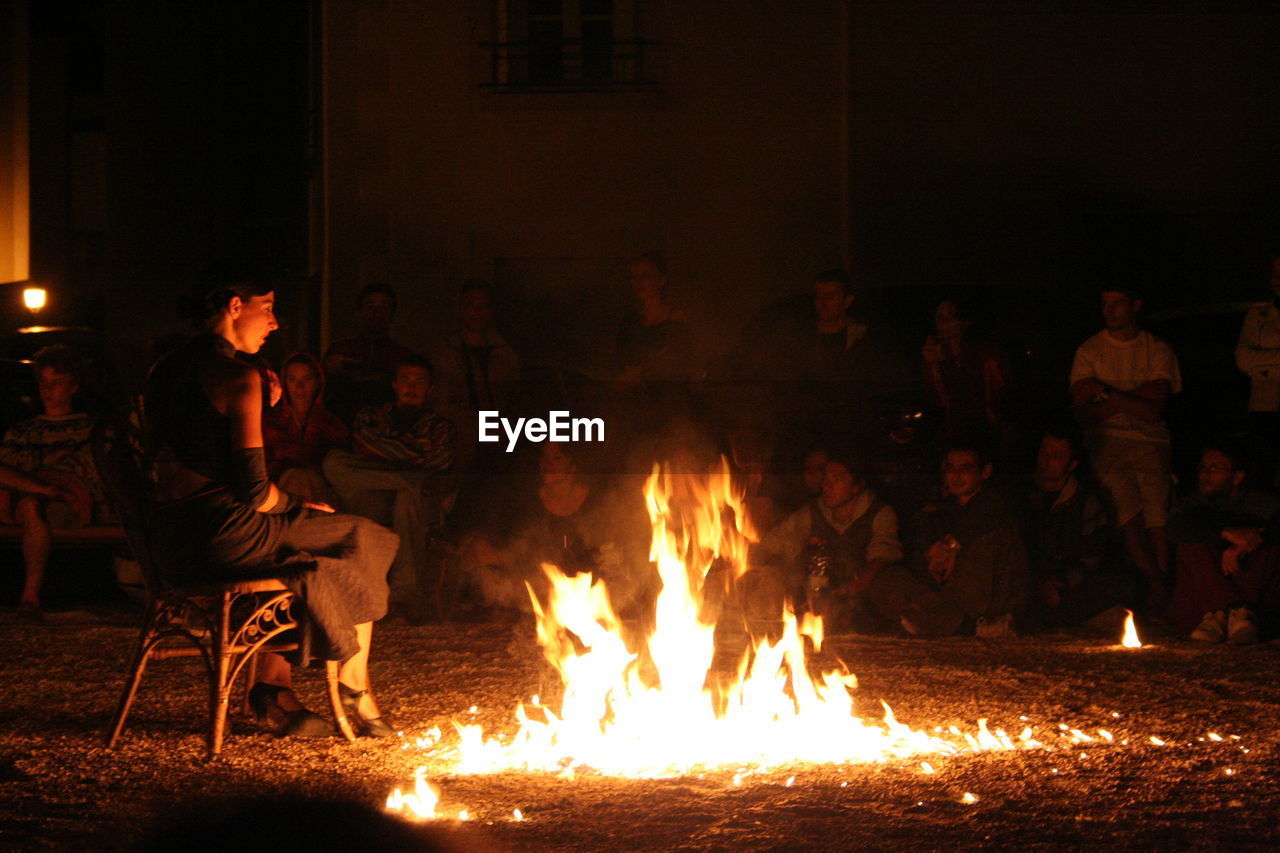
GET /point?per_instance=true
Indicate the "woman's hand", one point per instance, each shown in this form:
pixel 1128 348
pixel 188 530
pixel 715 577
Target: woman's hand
pixel 274 389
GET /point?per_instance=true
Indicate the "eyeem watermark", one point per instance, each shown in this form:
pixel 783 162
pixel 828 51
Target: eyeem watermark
pixel 558 426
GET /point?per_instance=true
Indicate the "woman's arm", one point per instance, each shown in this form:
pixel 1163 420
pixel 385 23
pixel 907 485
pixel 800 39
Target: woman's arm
pixel 244 408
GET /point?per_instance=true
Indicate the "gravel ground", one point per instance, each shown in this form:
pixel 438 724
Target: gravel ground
pixel 60 788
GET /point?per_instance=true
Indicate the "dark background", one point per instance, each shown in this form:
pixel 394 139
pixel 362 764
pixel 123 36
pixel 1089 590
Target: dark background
pixel 1037 145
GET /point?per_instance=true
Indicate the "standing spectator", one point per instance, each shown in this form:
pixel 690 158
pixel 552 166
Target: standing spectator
pixel 966 567
pixel 394 475
pixel 969 380
pixel 1120 381
pixel 49 467
pixel 478 370
pixel 1227 552
pixel 1066 533
pixel 1258 355
pixel 828 370
pixel 299 431
pixel 360 368
pixel 654 341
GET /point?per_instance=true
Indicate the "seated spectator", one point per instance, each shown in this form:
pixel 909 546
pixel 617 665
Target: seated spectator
pixel 49 468
pixel 395 474
pixel 1227 552
pixel 299 431
pixel 1066 533
pixel 359 369
pixel 966 567
pixel 569 521
pixel 831 549
pixel 969 380
pixel 1120 381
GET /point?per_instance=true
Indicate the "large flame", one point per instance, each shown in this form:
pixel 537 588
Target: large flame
pixel 648 709
pixel 1130 640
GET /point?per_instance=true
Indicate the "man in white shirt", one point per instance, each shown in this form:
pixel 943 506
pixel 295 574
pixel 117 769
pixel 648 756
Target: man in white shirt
pixel 1120 381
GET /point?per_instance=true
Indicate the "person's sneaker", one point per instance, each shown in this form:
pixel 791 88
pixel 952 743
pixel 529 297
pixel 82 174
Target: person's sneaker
pixel 1212 628
pixel 1241 629
pixel 999 628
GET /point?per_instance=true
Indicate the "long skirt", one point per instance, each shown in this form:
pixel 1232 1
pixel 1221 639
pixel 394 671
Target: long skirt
pixel 213 537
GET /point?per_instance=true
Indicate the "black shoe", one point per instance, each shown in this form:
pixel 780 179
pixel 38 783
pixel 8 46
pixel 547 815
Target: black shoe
pixel 377 727
pixel 264 700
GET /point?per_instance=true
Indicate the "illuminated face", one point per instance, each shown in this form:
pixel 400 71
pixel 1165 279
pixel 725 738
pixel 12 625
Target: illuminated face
pixel 412 385
pixel 254 321
pixel 646 281
pixel 1118 310
pixel 830 301
pixel 1053 461
pixel 302 383
pixel 839 486
pixel 815 469
pixel 374 314
pixel 963 474
pixel 1216 475
pixel 476 310
pixel 56 389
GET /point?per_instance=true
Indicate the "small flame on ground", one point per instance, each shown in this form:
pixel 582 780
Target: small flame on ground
pixel 421 802
pixel 968 799
pixel 1130 640
pixel 517 815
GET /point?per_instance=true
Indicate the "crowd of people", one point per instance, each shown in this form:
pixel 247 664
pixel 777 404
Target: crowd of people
pixel 999 524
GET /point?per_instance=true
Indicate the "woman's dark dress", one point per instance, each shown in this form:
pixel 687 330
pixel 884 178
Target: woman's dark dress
pixel 217 536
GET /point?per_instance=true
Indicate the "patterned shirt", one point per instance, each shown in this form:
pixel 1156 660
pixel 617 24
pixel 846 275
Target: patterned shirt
pixel 418 437
pixel 60 443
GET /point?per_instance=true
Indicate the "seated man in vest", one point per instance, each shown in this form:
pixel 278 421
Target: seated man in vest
pixel 825 554
pixel 1226 539
pixel 395 474
pixel 966 569
pixel 1066 531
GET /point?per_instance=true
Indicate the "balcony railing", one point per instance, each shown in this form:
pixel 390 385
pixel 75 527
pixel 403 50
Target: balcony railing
pixel 571 65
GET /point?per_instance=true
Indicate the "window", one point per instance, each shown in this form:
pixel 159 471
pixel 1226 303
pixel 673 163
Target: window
pixel 568 45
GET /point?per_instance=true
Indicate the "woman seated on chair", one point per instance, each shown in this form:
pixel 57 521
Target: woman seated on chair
pixel 221 519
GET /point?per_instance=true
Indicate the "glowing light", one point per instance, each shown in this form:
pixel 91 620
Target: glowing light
pixel 34 298
pixel 1130 640
pixel 517 815
pixel 968 799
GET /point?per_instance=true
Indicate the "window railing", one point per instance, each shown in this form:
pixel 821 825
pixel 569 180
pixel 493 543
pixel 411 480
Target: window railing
pixel 570 65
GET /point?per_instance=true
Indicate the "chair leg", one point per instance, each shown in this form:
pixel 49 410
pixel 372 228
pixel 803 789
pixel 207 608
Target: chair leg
pixel 219 684
pixel 136 669
pixel 335 700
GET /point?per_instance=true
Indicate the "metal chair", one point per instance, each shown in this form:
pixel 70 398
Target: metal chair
pixel 224 624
